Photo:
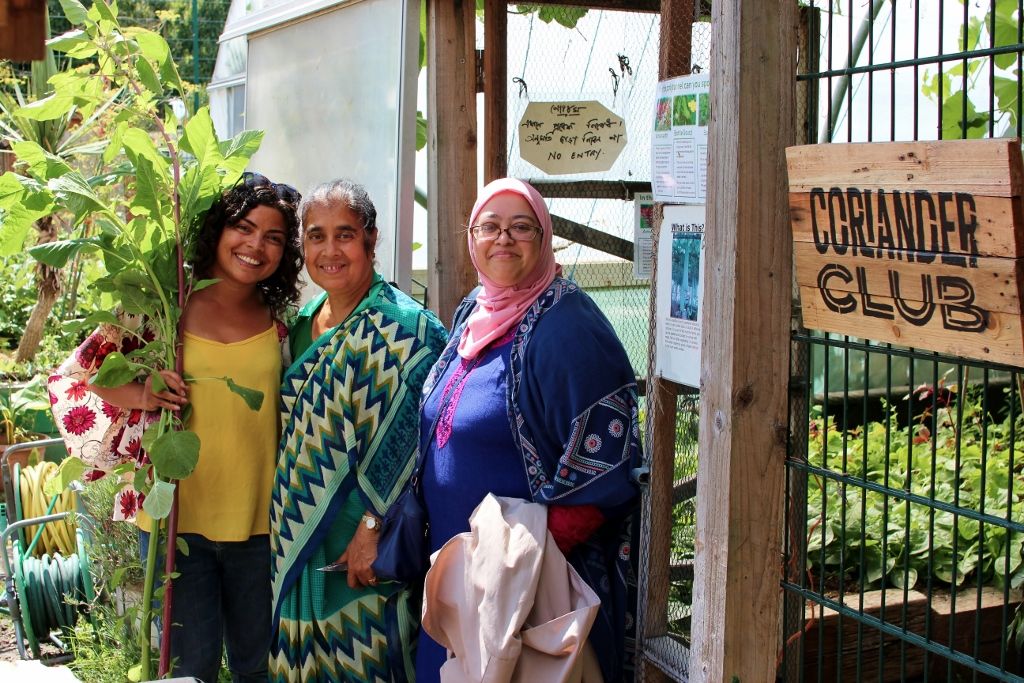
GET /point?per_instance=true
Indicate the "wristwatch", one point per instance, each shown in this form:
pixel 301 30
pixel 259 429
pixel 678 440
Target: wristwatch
pixel 371 522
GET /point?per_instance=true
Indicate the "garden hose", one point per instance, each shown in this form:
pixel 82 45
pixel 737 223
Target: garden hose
pixel 57 537
pixel 50 591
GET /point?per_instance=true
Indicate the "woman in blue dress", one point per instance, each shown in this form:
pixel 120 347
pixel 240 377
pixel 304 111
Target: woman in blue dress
pixel 534 398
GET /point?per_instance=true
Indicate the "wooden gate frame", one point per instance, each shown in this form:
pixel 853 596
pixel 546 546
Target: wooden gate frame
pixel 743 414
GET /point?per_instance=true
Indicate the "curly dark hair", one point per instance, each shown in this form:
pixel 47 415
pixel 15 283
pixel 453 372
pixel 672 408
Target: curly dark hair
pixel 281 289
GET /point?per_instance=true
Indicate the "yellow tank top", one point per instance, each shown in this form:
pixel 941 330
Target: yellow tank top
pixel 227 497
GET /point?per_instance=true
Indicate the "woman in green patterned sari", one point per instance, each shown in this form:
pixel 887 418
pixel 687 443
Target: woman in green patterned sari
pixel 350 407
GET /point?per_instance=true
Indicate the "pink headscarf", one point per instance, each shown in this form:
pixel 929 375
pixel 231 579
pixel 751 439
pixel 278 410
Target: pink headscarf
pixel 500 308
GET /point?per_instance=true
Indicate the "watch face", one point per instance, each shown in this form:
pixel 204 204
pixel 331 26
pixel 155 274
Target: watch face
pixel 371 522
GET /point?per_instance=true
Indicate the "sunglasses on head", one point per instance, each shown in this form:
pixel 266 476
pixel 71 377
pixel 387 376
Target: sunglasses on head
pixel 283 190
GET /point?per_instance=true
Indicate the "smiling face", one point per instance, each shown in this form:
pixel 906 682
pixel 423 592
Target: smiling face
pixel 250 250
pixel 503 260
pixel 335 246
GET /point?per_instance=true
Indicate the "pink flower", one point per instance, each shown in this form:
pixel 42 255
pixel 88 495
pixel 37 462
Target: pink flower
pixel 77 391
pixel 79 420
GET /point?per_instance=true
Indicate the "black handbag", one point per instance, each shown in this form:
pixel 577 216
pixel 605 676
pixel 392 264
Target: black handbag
pixel 402 550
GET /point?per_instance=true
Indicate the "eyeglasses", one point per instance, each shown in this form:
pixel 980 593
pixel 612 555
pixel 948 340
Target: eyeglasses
pixel 283 190
pixel 519 232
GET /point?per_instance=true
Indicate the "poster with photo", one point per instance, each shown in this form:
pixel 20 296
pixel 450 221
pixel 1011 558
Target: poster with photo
pixel 680 293
pixel 643 235
pixel 679 143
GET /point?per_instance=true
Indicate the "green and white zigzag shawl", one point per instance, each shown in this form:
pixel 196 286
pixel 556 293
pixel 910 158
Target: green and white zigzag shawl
pixel 350 409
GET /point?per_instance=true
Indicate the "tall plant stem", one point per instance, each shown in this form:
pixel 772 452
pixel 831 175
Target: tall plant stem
pixel 179 367
pixel 147 600
pixel 177 363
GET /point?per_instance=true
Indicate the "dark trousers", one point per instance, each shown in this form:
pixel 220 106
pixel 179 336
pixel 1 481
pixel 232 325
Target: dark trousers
pixel 221 599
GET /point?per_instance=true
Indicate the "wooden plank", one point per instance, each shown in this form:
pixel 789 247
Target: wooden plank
pixel 495 92
pixel 655 556
pixel 1000 342
pixel 994 284
pixel 999 229
pixel 865 650
pixel 978 167
pixel 745 363
pixel 958 620
pixel 23 37
pixel 624 5
pixel 451 146
pixel 589 237
pixel 590 189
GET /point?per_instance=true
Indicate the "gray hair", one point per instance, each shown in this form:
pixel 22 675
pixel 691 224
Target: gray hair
pixel 347 193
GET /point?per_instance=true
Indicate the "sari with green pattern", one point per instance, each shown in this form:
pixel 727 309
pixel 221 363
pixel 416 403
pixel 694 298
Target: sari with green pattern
pixel 350 409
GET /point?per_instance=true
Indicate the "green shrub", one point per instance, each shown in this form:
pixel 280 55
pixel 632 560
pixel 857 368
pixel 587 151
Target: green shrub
pixel 879 526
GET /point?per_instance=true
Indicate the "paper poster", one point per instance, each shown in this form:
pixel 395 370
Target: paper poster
pixel 561 138
pixel 680 294
pixel 643 235
pixel 679 144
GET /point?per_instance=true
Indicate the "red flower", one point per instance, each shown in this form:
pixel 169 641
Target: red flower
pixel 77 391
pixel 79 420
pixel 110 410
pixel 105 350
pixel 87 351
pixel 129 503
pixel 134 417
pixel 94 475
pixel 134 449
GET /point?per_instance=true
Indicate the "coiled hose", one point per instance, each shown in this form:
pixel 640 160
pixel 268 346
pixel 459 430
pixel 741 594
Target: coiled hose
pixel 56 537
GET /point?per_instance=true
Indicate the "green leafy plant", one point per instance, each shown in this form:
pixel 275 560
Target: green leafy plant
pixel 16 408
pixel 858 531
pixel 74 137
pixel 172 173
pixel 996 27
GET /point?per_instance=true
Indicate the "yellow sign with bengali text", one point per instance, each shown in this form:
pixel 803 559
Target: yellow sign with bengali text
pixel 562 138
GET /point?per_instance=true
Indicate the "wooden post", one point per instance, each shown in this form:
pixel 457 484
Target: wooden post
pixel 744 365
pixel 495 89
pixel 662 402
pixel 451 94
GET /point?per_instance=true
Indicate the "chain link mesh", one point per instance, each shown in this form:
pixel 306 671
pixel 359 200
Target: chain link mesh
pixel 613 57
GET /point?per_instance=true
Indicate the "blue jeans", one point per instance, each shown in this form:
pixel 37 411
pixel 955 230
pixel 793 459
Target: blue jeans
pixel 221 598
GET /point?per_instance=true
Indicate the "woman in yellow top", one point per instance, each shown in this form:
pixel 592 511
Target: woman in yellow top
pixel 249 242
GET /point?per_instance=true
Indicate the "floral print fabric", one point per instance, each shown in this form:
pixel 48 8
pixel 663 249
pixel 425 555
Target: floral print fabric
pixel 101 434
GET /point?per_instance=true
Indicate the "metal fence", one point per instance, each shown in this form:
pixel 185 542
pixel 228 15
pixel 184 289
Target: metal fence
pixel 191 28
pixel 905 519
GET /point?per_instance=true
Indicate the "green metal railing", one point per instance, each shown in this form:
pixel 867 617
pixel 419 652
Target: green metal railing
pixel 904 537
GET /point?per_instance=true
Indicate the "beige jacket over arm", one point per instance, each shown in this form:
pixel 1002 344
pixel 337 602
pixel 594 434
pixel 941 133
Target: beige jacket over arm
pixel 503 599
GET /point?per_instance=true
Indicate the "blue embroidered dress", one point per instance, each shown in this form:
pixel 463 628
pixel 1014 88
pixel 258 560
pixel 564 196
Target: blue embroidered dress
pixel 549 416
pixel 349 405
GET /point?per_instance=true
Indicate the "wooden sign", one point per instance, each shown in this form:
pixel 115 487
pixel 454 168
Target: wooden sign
pixel 561 138
pixel 914 243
